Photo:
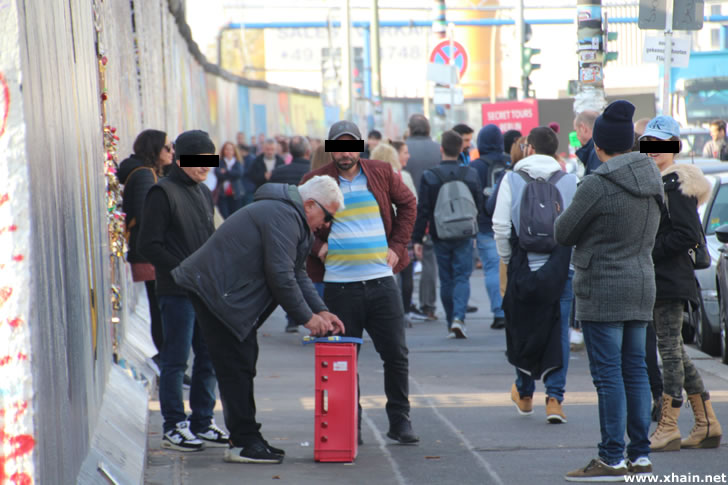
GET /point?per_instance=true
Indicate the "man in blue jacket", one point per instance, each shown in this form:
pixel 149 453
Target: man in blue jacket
pixel 254 262
pixel 584 125
pixel 490 166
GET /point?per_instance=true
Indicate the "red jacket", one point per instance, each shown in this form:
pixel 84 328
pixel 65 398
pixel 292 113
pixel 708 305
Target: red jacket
pixel 387 188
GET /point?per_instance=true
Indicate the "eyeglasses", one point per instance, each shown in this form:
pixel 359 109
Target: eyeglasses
pixel 523 146
pixel 328 216
pixel 169 147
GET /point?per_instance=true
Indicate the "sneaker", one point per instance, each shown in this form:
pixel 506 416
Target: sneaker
pixel 598 471
pixel 451 335
pixel 214 436
pixel 458 328
pixel 576 339
pixel 471 309
pixel 155 364
pixel 403 433
pixel 429 313
pixel 256 452
pixel 554 412
pixel 186 382
pixel 181 439
pixel 417 314
pixel 523 404
pixel 642 466
pixel 273 449
pixel 498 323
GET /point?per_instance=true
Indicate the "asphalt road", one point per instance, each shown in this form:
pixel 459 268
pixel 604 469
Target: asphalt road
pixel 460 393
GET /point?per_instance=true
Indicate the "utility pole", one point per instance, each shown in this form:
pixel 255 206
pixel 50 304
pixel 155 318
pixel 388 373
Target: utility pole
pixel 590 46
pixel 346 61
pixel 668 60
pixel 520 41
pixel 376 67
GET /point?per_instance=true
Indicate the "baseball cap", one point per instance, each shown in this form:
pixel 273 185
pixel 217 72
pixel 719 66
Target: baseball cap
pixel 344 127
pixel 662 127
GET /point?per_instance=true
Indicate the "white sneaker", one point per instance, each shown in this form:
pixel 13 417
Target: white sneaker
pixel 458 328
pixel 214 436
pixel 452 335
pixel 576 337
pixel 181 439
pixel 642 466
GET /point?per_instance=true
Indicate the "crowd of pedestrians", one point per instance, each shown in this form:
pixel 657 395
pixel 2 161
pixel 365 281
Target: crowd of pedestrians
pixel 334 238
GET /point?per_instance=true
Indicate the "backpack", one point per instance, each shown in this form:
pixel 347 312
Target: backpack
pixel 541 204
pixel 456 216
pixel 496 168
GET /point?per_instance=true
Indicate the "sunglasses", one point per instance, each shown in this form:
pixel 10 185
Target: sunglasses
pixel 328 216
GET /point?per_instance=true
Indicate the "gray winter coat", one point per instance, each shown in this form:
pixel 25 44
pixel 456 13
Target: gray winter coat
pixel 612 222
pixel 254 262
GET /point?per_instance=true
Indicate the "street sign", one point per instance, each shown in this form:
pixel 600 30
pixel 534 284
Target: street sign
pixel 654 50
pixel 442 73
pixel 688 15
pixel 441 55
pixel 444 95
pixel 652 14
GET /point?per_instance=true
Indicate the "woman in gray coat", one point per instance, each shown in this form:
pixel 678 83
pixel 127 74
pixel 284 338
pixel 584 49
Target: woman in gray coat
pixel 612 223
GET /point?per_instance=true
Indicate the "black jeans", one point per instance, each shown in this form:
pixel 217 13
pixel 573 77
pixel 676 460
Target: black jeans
pixel 156 316
pixel 234 362
pixel 653 370
pixel 376 306
pixel 407 283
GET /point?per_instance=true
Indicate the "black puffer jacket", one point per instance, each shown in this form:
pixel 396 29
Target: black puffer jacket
pixel 135 191
pixel 255 261
pixel 685 189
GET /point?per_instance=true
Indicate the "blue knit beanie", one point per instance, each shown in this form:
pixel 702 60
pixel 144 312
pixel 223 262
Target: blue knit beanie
pixel 614 130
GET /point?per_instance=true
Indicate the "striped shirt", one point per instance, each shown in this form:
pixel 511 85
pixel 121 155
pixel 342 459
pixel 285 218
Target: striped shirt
pixel 357 241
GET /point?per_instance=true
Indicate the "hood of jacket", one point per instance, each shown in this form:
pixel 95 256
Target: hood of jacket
pixel 692 181
pixel 490 139
pixel 127 166
pixel 283 192
pixel 538 165
pixel 634 172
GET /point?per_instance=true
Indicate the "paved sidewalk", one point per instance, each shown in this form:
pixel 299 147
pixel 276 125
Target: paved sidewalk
pixel 470 431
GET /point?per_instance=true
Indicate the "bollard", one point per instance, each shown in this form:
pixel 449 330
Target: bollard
pixel 336 415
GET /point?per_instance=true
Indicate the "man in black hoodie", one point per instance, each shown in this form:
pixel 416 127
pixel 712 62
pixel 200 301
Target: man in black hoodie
pixel 490 166
pixel 177 220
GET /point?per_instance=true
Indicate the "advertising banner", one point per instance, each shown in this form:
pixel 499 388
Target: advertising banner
pixel 512 115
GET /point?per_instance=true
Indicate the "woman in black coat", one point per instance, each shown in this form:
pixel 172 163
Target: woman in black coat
pixel 152 153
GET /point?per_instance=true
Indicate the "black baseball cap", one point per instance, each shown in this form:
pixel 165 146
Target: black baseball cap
pixel 344 127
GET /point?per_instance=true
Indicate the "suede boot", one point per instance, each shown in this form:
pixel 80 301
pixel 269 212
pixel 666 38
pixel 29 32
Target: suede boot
pixel 706 432
pixel 667 435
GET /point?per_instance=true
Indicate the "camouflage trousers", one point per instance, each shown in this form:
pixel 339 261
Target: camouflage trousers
pixel 678 370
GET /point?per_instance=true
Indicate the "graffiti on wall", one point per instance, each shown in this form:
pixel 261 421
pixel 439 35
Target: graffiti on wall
pixel 17 440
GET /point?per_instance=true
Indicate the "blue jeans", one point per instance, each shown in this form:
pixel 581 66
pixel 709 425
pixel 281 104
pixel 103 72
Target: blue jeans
pixel 180 333
pixel 616 353
pixel 554 381
pixel 490 259
pixel 454 265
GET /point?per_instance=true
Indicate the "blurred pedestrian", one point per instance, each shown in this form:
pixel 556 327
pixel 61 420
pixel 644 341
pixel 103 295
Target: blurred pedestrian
pixel 177 220
pixel 252 264
pixel 153 153
pixel 584 126
pixel 717 147
pixel 263 165
pixel 466 133
pixel 300 164
pixel 538 296
pixel 612 222
pixel 374 138
pixel 680 231
pixel 320 158
pixel 424 155
pixel 509 137
pixel 229 174
pixel 357 258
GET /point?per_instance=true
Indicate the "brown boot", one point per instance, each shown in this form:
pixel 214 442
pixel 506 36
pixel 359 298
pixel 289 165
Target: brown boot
pixel 706 433
pixel 667 435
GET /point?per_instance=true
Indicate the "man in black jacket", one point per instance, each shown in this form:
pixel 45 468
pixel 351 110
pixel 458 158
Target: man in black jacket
pixel 177 220
pixel 263 165
pixel 300 165
pixel 254 262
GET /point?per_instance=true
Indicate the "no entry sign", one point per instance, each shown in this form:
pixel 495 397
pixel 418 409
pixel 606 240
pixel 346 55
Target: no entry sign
pixel 441 55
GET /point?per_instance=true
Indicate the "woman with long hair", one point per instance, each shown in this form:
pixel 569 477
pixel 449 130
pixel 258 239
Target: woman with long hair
pixel 230 190
pixel 153 153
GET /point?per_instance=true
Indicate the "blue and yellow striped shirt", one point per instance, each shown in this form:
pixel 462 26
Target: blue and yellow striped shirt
pixel 357 241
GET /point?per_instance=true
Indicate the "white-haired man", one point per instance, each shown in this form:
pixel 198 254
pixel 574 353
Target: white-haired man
pixel 254 262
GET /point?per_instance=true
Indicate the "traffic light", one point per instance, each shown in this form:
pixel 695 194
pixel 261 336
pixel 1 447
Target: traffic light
pixel 527 67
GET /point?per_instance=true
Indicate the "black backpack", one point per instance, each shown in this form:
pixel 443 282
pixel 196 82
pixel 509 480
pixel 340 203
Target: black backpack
pixel 541 204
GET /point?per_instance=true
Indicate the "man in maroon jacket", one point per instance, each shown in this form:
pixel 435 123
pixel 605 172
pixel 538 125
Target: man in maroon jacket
pixel 357 258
